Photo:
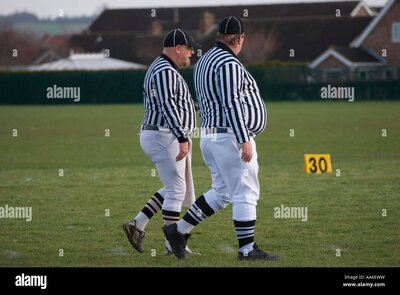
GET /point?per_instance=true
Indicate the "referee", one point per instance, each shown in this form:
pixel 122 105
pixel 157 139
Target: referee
pixel 232 113
pixel 169 120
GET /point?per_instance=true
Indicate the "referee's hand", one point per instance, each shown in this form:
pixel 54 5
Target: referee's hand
pixel 183 150
pixel 247 152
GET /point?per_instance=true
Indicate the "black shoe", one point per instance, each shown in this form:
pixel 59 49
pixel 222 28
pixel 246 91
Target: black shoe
pixel 257 254
pixel 177 240
pixel 134 235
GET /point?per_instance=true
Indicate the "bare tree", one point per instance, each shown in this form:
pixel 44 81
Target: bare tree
pixel 23 48
pixel 260 44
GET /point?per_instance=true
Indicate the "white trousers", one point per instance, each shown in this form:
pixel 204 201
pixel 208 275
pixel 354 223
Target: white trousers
pixel 233 181
pixel 162 147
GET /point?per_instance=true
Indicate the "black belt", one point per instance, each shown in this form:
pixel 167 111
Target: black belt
pixel 155 128
pixel 216 130
pixel 149 127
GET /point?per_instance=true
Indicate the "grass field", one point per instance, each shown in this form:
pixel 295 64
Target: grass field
pixel 112 175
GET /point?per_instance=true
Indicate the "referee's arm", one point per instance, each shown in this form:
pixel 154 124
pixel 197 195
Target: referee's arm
pixel 166 87
pixel 230 76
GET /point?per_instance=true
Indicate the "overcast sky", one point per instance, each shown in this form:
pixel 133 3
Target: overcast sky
pixel 50 8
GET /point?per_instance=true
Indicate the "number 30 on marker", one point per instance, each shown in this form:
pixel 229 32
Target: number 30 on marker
pixel 317 163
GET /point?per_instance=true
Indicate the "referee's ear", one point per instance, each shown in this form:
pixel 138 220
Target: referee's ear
pixel 240 39
pixel 177 49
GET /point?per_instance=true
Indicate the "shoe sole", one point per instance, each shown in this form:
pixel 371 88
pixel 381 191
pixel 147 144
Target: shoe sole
pixel 124 227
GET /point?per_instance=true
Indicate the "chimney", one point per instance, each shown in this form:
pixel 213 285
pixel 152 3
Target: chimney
pixel 156 28
pixel 207 21
pixel 176 15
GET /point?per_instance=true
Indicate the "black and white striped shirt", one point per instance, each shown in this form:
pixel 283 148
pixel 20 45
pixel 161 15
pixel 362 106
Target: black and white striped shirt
pixel 167 100
pixel 228 95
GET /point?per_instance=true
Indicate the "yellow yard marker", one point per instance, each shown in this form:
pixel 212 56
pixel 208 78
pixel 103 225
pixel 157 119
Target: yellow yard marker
pixel 317 163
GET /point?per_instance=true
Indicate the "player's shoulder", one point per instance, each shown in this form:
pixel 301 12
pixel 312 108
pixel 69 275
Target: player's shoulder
pixel 162 65
pixel 219 57
pixel 231 61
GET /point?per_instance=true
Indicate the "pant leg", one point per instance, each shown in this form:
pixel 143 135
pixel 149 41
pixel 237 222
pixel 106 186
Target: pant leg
pixel 240 178
pixel 217 197
pixel 162 148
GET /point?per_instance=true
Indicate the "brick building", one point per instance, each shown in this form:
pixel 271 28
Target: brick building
pixel 374 54
pixel 296 32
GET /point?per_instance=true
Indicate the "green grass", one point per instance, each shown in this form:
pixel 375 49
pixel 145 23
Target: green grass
pixel 112 173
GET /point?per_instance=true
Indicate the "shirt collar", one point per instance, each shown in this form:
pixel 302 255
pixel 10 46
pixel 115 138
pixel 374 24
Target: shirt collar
pixel 169 60
pixel 224 47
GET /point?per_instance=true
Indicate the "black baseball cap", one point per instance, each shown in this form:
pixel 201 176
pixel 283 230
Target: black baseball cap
pixel 231 25
pixel 179 37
